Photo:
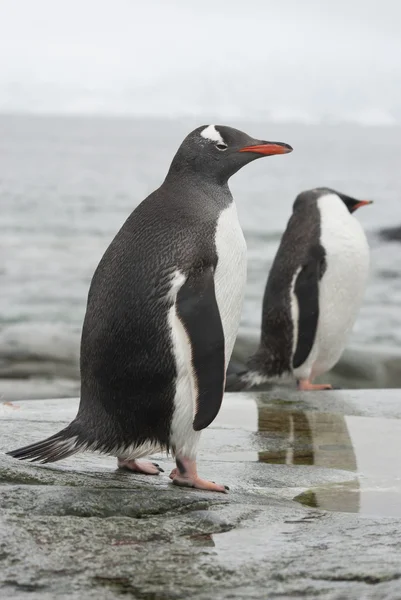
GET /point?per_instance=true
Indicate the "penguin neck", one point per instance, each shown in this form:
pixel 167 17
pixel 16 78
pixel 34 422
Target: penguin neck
pixel 183 176
pixel 185 167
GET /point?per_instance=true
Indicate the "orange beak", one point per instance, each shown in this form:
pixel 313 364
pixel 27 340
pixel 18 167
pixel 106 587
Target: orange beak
pixel 363 203
pixel 268 148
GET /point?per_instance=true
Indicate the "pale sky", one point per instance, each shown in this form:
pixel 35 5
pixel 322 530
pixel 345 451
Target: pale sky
pixel 300 59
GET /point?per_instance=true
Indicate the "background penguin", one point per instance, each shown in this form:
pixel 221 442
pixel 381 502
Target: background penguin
pixel 162 315
pixel 313 292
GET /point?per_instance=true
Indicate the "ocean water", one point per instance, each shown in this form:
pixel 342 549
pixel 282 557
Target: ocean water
pixel 68 184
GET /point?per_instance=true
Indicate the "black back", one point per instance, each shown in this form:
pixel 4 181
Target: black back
pixel 299 250
pixel 127 365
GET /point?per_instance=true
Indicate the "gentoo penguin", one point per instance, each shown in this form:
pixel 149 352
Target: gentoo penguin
pixel 313 292
pixel 162 315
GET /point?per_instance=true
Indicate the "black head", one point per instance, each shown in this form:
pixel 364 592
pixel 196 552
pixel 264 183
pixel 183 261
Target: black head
pixel 312 195
pixel 217 152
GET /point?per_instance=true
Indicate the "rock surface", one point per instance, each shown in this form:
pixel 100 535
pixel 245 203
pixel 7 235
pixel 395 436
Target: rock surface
pixel 81 529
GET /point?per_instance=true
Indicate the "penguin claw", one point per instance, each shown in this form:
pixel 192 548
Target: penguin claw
pixel 226 486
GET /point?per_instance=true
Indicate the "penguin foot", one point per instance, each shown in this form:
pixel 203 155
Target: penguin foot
pixel 145 466
pixel 199 484
pixel 185 475
pixel 306 385
pixel 173 473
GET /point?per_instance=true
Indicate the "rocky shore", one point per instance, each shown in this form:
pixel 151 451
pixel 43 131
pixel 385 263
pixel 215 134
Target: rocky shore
pixel 313 509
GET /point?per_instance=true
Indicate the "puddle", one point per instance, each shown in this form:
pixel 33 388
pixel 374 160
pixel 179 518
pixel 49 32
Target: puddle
pixel 366 446
pixel 376 490
pixel 377 498
pixel 267 434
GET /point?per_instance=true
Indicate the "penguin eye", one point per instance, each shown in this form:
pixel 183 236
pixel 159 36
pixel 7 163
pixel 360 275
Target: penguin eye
pixel 221 147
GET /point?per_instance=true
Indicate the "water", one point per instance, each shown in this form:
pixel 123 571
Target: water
pixel 294 433
pixel 68 184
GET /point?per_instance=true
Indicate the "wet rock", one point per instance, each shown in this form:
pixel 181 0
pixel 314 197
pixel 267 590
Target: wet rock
pixel 47 366
pixel 391 234
pixel 52 386
pixel 39 361
pixel 82 529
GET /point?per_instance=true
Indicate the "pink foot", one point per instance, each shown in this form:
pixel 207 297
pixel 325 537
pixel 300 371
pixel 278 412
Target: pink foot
pixel 306 385
pixel 144 466
pixel 173 473
pixel 185 475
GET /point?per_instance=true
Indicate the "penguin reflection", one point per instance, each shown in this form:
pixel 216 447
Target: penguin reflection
pixel 294 437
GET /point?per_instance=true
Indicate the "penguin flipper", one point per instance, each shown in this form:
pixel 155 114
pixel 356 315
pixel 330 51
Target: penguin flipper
pixel 198 311
pixel 306 290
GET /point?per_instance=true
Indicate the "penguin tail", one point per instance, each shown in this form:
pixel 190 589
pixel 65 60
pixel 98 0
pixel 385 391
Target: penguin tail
pixel 234 377
pixel 263 370
pixel 247 380
pixel 237 382
pixel 60 445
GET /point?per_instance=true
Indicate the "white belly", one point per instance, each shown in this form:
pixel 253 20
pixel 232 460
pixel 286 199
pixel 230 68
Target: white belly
pixel 342 286
pixel 229 281
pixel 230 275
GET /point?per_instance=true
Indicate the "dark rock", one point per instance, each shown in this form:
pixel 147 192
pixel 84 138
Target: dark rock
pixel 391 234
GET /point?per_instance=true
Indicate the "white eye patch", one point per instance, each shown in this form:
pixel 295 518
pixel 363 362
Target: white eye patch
pixel 211 133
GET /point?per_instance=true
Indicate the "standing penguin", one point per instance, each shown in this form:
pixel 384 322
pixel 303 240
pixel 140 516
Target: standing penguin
pixel 162 315
pixel 313 292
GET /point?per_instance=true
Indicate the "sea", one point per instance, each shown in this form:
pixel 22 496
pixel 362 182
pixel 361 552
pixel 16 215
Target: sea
pixel 67 184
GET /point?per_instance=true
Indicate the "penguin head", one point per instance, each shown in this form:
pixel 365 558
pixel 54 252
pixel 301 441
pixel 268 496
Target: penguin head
pixel 217 151
pixel 351 203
